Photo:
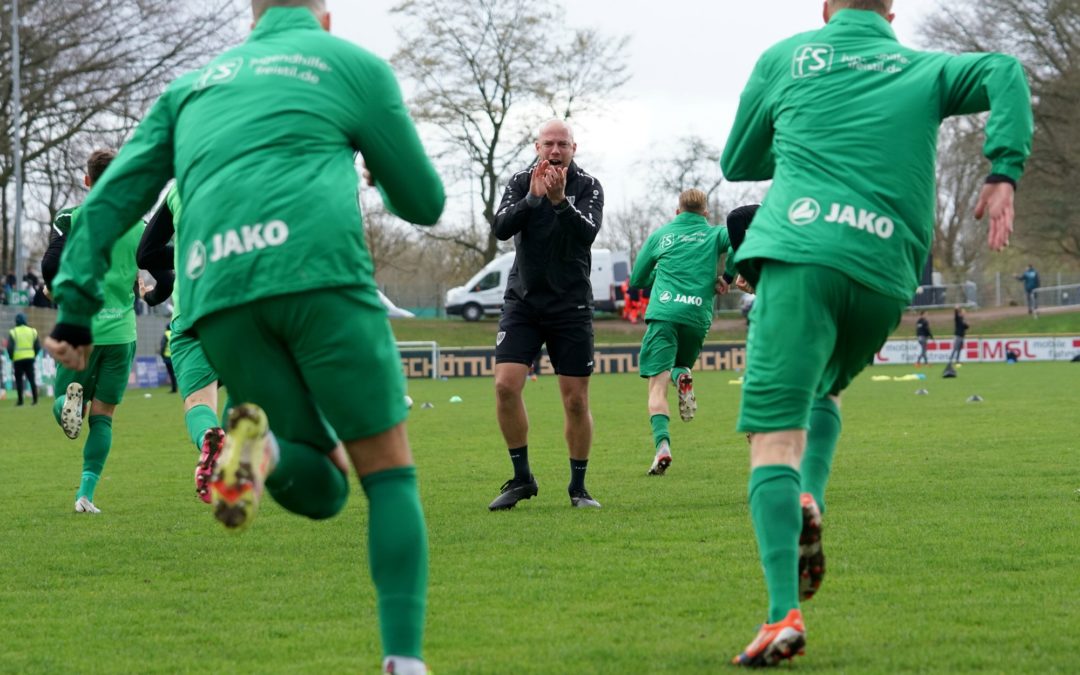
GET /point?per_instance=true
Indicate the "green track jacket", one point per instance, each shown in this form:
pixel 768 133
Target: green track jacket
pixel 262 143
pixel 845 121
pixel 679 261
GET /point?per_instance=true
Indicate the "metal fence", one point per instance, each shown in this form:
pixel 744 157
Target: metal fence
pixel 149 327
pixel 1058 296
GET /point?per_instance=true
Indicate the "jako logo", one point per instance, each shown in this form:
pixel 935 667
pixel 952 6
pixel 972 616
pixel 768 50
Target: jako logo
pixel 196 260
pixel 688 300
pixel 812 59
pixel 665 296
pixel 882 226
pixel 804 211
pixel 236 242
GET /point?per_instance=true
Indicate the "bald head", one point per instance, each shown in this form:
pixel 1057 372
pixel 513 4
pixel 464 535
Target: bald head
pixel 882 7
pixel 555 143
pixel 317 7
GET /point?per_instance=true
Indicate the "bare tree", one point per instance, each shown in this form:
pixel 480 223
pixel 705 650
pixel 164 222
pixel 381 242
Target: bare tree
pixel 627 227
pixel 1045 35
pixel 486 73
pixel 958 236
pixel 90 68
pixel 695 163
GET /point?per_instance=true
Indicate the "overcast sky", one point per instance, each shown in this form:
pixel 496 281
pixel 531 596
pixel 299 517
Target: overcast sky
pixel 689 60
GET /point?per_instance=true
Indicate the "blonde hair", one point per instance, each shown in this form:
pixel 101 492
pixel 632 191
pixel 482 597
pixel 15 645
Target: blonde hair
pixel 694 201
pixel 882 7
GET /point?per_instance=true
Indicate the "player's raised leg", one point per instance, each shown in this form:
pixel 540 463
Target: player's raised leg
pixel 659 415
pixel 198 384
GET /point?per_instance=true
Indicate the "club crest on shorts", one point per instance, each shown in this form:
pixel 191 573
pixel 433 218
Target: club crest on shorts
pixel 499 337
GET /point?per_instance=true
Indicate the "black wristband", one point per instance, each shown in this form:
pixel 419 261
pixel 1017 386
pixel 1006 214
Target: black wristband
pixel 727 278
pixel 76 336
pixel 995 178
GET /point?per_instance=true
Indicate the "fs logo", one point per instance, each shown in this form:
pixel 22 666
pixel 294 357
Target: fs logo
pixel 218 73
pixel 811 60
pixel 667 241
pixel 804 211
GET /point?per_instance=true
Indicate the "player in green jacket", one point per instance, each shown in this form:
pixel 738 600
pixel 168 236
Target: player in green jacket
pixel 844 120
pixel 195 377
pixel 679 261
pixel 104 380
pixel 276 279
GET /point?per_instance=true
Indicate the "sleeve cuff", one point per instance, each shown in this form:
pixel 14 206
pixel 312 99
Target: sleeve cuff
pixel 532 200
pixel 995 178
pixel 562 206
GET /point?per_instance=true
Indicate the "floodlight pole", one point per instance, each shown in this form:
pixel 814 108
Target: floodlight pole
pixel 16 141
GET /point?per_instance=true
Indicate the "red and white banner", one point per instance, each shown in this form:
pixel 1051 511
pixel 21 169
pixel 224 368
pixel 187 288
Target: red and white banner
pixel 985 350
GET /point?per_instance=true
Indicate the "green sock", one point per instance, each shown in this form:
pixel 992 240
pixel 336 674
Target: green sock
pixel 95 452
pixel 820 447
pixel 58 407
pixel 306 482
pixel 200 419
pixel 774 509
pixel 675 372
pixel 660 429
pixel 398 551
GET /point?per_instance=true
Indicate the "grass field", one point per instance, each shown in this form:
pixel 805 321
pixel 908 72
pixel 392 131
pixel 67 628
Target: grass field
pixel 951 536
pixel 455 332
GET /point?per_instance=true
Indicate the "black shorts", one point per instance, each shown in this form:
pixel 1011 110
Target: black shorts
pixel 569 339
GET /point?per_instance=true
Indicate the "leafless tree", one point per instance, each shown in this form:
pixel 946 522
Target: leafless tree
pixel 1045 35
pixel 486 73
pixel 90 69
pixel 958 237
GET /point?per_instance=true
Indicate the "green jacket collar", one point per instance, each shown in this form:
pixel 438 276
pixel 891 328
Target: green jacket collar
pixel 690 218
pixel 861 19
pixel 278 19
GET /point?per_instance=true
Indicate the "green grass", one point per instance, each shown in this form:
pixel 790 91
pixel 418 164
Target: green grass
pixel 951 537
pixel 455 332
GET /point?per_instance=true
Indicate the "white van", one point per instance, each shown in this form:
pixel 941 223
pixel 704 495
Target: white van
pixel 483 293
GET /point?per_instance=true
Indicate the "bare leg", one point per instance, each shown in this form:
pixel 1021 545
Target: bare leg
pixel 579 423
pixel 509 404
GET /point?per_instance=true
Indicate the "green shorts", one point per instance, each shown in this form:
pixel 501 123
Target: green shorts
pixel 322 364
pixel 812 330
pixel 106 375
pixel 193 371
pixel 668 344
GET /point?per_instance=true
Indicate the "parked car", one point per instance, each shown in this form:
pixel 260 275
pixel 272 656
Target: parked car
pixel 482 295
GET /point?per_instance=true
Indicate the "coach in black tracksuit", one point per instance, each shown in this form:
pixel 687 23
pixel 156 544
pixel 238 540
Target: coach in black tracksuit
pixel 553 211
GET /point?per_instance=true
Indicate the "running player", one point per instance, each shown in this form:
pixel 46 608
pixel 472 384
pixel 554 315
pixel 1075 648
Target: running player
pixel 266 137
pixel 104 380
pixel 836 251
pixel 679 262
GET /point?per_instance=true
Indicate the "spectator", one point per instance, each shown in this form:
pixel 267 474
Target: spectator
pixel 23 347
pixel 1030 277
pixel 959 333
pixel 923 334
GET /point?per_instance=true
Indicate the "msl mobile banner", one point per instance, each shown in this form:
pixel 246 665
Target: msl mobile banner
pixel 902 352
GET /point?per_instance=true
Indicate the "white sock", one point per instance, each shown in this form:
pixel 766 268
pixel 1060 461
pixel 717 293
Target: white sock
pixel 403 665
